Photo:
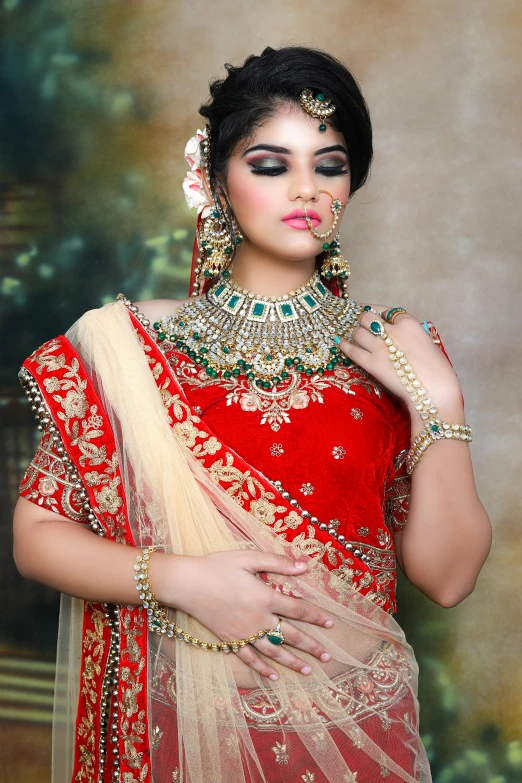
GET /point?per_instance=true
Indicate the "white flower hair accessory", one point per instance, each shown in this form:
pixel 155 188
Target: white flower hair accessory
pixel 193 188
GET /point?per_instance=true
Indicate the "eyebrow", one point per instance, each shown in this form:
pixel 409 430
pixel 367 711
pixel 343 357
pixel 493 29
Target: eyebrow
pixel 285 151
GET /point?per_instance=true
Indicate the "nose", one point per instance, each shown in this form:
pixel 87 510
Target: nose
pixel 303 184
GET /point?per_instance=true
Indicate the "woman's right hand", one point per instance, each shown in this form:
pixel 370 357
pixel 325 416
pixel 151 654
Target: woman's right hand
pixel 222 592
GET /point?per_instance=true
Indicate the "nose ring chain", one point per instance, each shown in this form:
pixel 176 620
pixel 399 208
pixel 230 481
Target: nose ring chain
pixel 336 207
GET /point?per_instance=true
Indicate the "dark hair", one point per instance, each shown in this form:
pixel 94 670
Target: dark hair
pixel 253 92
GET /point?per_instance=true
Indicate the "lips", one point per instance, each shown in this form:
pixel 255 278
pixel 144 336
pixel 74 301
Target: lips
pixel 296 219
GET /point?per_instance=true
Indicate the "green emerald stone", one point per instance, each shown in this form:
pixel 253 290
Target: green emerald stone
pixel 161 336
pixel 215 213
pixel 375 327
pixel 310 301
pixel 333 349
pixel 226 349
pixel 157 325
pixel 251 376
pixel 284 374
pixel 236 371
pixel 219 290
pixel 329 366
pixel 289 362
pixel 435 427
pixel 226 274
pixel 322 127
pixel 228 251
pixel 325 245
pixel 300 367
pixel 320 287
pixel 287 309
pixel 227 374
pixel 320 97
pixel 366 308
pixel 239 240
pixel 259 309
pixel 274 638
pixel 269 358
pixel 232 302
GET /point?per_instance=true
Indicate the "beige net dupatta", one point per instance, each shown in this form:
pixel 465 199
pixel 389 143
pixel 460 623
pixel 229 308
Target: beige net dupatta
pixel 206 730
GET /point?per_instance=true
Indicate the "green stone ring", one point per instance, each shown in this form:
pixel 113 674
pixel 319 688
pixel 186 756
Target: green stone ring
pixel 377 327
pixel 275 636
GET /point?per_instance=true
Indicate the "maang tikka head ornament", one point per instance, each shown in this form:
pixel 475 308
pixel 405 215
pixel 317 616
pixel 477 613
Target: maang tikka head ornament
pixel 217 232
pixel 318 106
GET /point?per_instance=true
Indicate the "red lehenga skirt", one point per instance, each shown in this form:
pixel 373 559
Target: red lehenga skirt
pixel 129 723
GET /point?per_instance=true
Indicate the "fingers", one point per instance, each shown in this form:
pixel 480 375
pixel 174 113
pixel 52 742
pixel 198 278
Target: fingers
pixel 298 609
pixel 249 656
pixel 274 564
pixel 285 656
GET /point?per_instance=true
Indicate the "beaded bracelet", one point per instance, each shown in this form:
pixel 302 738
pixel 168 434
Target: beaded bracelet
pixel 158 622
pixel 434 429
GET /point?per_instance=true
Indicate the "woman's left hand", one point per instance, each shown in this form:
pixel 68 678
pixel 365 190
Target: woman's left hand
pixel 429 364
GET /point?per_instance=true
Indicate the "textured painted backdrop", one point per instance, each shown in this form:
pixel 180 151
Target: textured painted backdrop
pixel 436 229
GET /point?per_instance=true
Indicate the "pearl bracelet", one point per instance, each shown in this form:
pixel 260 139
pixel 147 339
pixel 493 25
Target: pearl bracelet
pixel 158 622
pixel 434 428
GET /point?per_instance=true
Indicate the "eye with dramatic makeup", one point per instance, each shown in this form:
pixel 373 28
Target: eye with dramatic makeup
pixel 272 167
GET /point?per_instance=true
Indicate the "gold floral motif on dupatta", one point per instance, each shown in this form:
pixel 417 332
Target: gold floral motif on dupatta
pixel 275 405
pixel 133 725
pixel 355 694
pixel 93 649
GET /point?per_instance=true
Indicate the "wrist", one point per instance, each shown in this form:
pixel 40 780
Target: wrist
pixel 170 578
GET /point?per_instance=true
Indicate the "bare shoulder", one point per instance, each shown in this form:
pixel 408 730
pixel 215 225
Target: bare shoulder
pixel 154 309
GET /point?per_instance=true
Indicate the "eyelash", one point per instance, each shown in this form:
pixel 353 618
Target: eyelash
pixel 274 171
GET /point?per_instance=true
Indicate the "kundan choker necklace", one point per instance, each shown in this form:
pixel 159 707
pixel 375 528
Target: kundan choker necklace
pixel 232 331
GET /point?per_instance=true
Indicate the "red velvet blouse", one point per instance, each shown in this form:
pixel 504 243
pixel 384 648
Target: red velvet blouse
pixel 337 444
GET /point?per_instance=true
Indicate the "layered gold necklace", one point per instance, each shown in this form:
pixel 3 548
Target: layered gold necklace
pixel 231 331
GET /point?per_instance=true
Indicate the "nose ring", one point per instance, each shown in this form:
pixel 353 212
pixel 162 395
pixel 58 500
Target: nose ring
pixel 336 207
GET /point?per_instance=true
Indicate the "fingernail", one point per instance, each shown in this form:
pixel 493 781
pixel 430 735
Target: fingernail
pixel 328 623
pixel 337 340
pixel 300 565
pixel 273 676
pixel 325 656
pixel 306 670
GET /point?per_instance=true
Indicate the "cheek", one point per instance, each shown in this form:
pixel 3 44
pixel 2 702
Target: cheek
pixel 249 196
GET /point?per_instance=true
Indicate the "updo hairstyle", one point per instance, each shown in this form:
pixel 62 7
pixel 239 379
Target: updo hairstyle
pixel 254 91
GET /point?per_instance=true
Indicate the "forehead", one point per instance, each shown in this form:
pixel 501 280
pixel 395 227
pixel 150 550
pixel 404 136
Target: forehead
pixel 291 127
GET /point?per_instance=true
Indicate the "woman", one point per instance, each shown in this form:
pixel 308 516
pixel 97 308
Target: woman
pixel 247 458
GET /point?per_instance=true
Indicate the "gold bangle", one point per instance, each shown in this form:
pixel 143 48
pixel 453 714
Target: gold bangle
pixel 157 619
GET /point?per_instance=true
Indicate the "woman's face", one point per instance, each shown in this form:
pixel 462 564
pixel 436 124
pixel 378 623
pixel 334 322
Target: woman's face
pixel 286 164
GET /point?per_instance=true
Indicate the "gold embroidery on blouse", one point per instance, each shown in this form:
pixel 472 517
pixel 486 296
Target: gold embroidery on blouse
pixel 275 405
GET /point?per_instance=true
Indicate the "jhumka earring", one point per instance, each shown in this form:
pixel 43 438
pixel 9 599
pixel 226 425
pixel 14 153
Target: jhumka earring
pixel 215 239
pixel 216 242
pixel 318 106
pixel 334 265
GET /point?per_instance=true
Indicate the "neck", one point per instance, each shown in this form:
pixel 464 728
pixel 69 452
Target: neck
pixel 269 275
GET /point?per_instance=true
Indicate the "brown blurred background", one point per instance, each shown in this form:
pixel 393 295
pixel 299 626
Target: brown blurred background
pixel 98 100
